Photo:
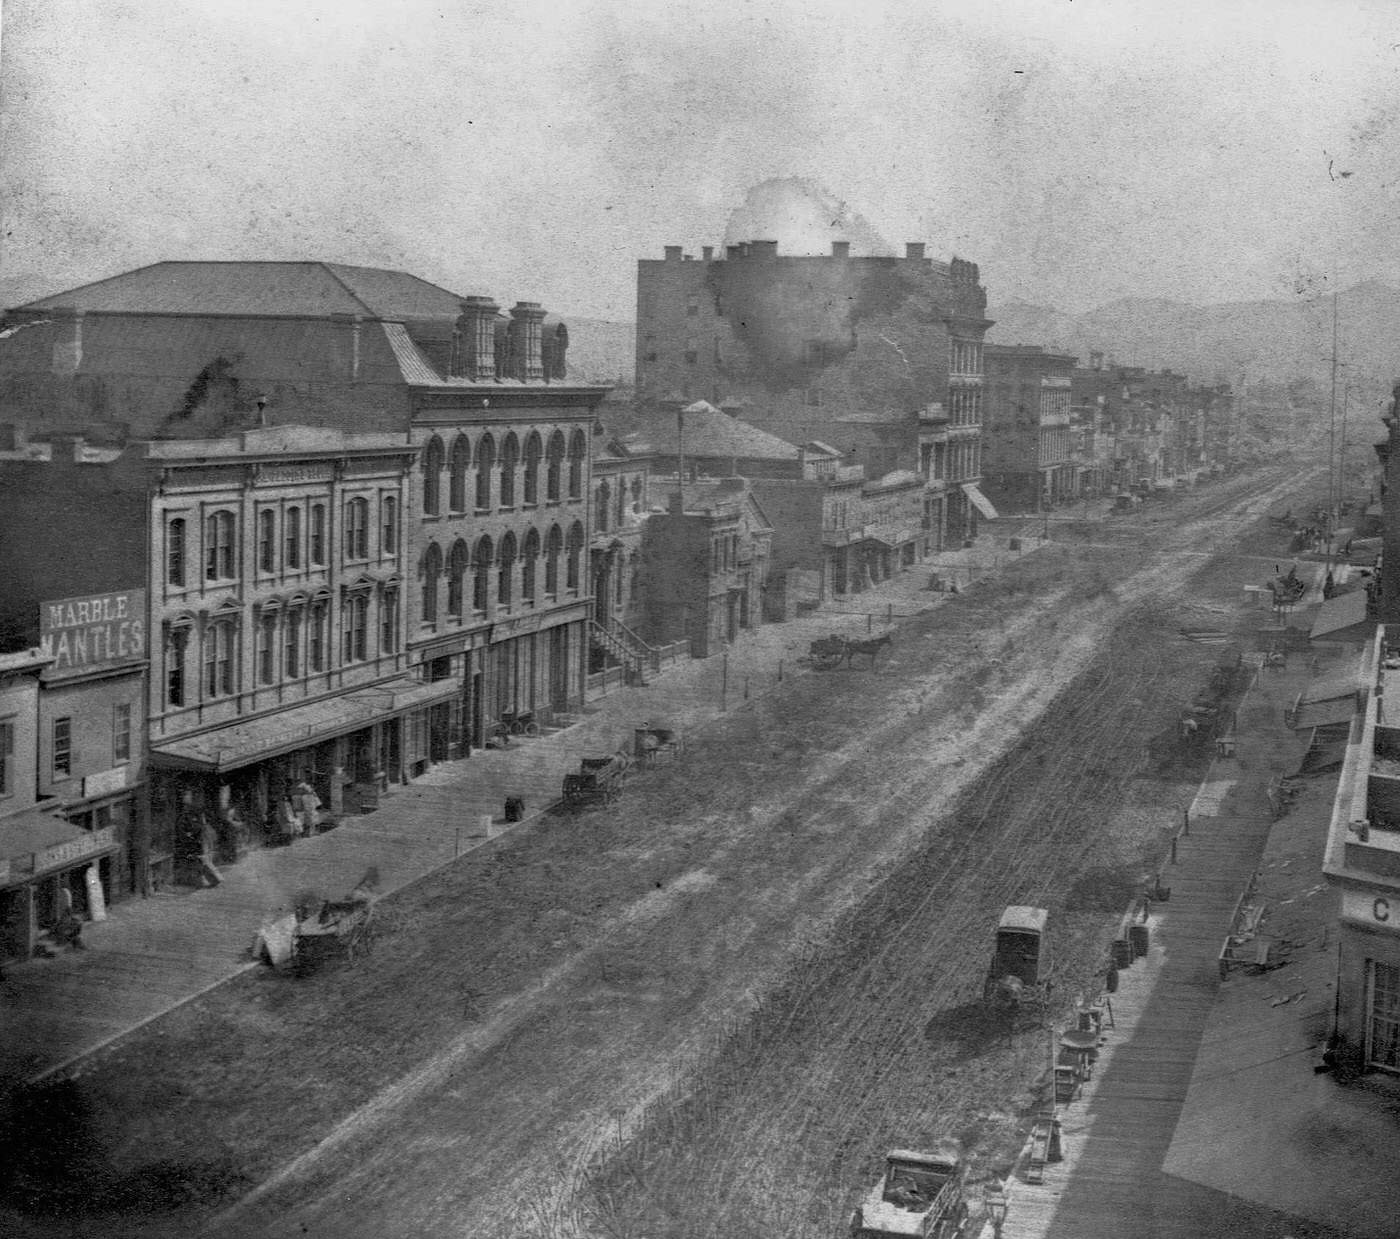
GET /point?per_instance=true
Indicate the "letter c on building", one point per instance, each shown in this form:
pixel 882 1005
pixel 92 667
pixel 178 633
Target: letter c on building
pixel 1380 909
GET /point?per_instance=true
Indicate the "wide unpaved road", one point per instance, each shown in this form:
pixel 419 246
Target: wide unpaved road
pixel 776 829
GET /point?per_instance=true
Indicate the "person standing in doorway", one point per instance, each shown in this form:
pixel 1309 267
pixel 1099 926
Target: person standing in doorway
pixel 208 841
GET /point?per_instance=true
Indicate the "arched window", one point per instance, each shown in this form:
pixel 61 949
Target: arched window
pixel 175 553
pixel 317 625
pixel 218 547
pixel 357 528
pixel 291 538
pixel 485 462
pixel 529 558
pixel 621 500
pixel 177 640
pixel 267 647
pixel 457 486
pixel 432 477
pixel 553 545
pixel 574 557
pixel 355 618
pixel 510 457
pixel 389 620
pixel 554 467
pixel 481 575
pixel 636 494
pixel 430 569
pixel 534 449
pixel 457 565
pixel 603 506
pixel 505 560
pixel 267 540
pixel 316 546
pixel 291 643
pixel 578 452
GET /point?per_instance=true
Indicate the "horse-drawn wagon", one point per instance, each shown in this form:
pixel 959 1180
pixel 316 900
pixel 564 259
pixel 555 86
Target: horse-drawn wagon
pixel 827 652
pixel 1020 969
pixel 598 780
pixel 339 930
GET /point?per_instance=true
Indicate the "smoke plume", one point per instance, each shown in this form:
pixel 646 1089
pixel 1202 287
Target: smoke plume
pixel 803 218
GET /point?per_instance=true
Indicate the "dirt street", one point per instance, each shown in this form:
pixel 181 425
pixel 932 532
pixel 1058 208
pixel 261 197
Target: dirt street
pixel 709 1008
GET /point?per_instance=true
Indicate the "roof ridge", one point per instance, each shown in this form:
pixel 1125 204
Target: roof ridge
pixel 330 270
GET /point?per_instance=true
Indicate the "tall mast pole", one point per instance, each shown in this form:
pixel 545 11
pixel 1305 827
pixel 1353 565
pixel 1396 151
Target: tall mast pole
pixel 1332 437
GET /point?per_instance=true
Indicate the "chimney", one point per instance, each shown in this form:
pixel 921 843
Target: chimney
pixel 526 331
pixel 673 253
pixel 840 249
pixel 763 249
pixel 476 331
pixel 913 249
pixel 707 253
pixel 68 342
pixel 733 251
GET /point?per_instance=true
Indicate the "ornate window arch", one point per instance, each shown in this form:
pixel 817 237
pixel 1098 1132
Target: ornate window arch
pixel 553 547
pixel 505 561
pixel 534 449
pixel 430 570
pixel 485 462
pixel 603 507
pixel 575 556
pixel 457 565
pixel 529 560
pixel 481 574
pixel 510 458
pixel 578 453
pixel 554 467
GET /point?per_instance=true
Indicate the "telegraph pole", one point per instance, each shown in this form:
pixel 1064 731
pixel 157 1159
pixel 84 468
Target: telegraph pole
pixel 1332 438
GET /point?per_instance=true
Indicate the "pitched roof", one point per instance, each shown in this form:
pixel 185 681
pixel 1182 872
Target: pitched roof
pixel 298 289
pixel 708 432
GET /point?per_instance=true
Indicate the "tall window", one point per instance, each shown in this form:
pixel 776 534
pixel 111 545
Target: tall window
pixel 603 506
pixel 389 621
pixel 432 477
pixel 175 552
pixel 177 638
pixel 121 733
pixel 636 494
pixel 529 558
pixel 481 574
pixel 634 574
pixel 505 561
pixel 356 628
pixel 578 451
pixel 430 569
pixel 553 546
pixel 62 747
pixel 357 529
pixel 510 455
pixel 7 758
pixel 291 645
pixel 317 620
pixel 388 525
pixel 219 645
pixel 457 564
pixel 267 648
pixel 621 499
pixel 457 483
pixel 533 451
pixel 554 467
pixel 267 540
pixel 575 554
pixel 291 538
pixel 218 547
pixel 317 548
pixel 485 462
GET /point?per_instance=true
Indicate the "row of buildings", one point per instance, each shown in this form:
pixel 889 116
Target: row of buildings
pixel 269 526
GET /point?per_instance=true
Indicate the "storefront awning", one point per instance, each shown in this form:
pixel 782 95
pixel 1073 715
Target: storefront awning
pixel 1343 621
pixel 238 744
pixel 979 501
pixel 35 842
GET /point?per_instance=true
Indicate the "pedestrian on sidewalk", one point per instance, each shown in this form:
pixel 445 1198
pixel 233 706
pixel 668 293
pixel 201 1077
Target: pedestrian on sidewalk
pixel 286 821
pixel 208 841
pixel 309 805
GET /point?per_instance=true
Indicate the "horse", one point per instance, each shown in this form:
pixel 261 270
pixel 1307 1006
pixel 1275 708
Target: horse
pixel 871 647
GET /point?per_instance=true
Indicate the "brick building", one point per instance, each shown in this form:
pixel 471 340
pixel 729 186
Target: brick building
pixel 880 357
pixel 1029 460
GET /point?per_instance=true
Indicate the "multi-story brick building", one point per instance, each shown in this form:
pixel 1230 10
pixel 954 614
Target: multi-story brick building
pixel 879 355
pixel 1029 459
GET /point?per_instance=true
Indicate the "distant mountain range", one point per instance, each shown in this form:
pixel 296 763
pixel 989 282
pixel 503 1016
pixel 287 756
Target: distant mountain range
pixel 1276 340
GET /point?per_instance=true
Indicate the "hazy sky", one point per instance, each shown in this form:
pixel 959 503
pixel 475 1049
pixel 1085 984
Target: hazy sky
pixel 1079 150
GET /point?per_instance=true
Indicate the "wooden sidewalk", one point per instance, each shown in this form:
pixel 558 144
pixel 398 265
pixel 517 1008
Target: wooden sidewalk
pixel 1115 1136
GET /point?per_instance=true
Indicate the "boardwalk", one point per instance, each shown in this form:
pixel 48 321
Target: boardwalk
pixel 1116 1135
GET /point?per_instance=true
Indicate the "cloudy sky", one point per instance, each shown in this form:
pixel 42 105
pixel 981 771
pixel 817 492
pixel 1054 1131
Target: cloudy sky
pixel 1079 150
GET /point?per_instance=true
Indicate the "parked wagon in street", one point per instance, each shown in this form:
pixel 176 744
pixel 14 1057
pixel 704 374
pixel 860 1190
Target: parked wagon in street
pixel 338 931
pixel 598 780
pixel 1019 973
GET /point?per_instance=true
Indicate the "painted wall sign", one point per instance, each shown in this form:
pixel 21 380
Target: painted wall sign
pixel 100 630
pixel 1366 908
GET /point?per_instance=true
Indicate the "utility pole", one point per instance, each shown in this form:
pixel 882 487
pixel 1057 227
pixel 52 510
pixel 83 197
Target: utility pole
pixel 1332 437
